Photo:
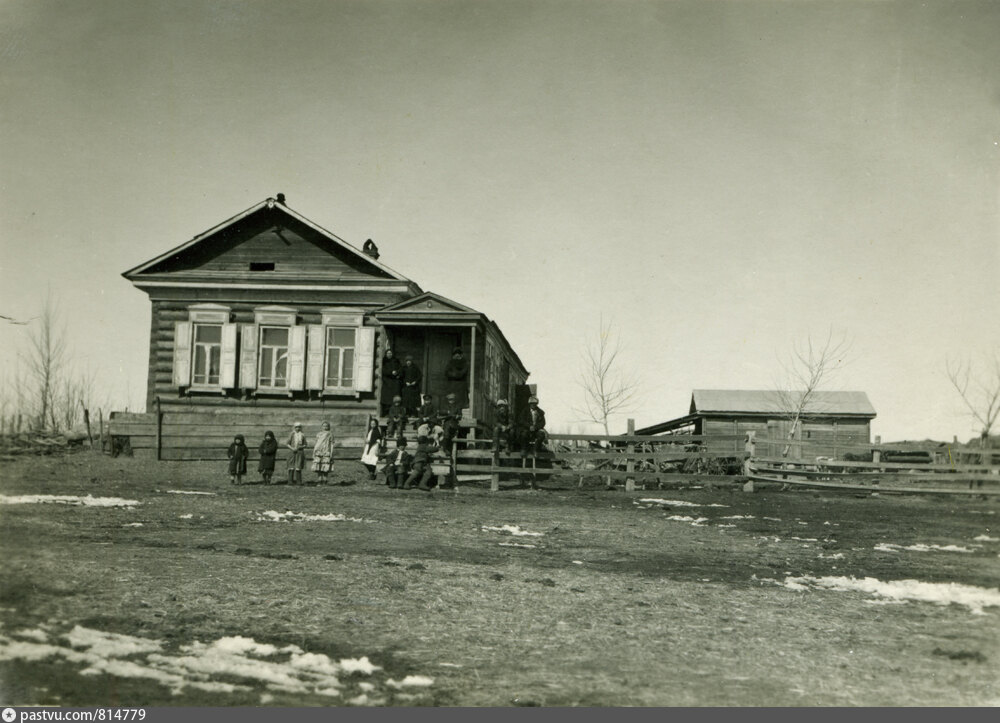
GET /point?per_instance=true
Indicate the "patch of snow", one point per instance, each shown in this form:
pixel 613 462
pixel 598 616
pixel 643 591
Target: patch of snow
pixel 511 530
pixel 986 538
pixel 738 517
pixel 805 539
pixel 577 562
pixel 411 681
pixel 674 503
pixel 772 519
pixel 188 492
pixel 725 525
pixel 515 544
pixel 449 665
pixel 188 516
pixel 132 524
pixel 198 665
pixel 273 516
pixel 109 645
pixel 940 593
pixel 920 547
pixel 358 665
pixel 88 501
pixel 834 556
pixel 34 634
pixel 697 522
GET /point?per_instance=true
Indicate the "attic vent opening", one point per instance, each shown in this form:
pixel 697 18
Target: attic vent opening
pixel 262 266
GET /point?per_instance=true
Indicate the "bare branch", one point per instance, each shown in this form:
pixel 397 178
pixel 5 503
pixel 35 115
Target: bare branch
pixel 608 390
pixel 980 392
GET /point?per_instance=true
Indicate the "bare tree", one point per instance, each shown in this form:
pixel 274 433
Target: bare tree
pixel 980 392
pixel 44 360
pixel 809 365
pixel 608 389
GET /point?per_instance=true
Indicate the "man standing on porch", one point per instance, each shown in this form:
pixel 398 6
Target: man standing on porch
pixel 412 376
pixel 456 375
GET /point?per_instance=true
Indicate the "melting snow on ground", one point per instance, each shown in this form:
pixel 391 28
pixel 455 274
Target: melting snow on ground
pixel 834 556
pixel 919 547
pixel 737 517
pixel 986 538
pixel 227 665
pixel 515 544
pixel 188 492
pixel 88 501
pixel 272 516
pixel 940 593
pixel 673 503
pixel 511 530
pixel 696 521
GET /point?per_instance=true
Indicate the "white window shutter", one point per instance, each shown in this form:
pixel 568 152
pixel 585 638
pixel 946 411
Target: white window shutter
pixel 182 353
pixel 296 357
pixel 248 356
pixel 364 358
pixel 314 361
pixel 227 372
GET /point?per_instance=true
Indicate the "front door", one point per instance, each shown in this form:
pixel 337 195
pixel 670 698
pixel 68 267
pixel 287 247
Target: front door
pixel 439 345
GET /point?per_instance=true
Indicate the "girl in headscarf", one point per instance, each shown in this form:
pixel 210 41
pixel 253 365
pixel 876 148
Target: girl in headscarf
pixel 297 460
pixel 268 451
pixel 373 445
pixel 323 454
pixel 238 454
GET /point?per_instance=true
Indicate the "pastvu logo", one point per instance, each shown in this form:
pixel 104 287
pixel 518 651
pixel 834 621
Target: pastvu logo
pixel 9 714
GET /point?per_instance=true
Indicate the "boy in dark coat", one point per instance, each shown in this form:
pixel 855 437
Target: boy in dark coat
pixel 397 418
pixel 501 426
pixel 238 454
pixel 427 414
pixel 420 471
pixel 397 464
pixel 412 376
pixel 449 415
pixel 534 433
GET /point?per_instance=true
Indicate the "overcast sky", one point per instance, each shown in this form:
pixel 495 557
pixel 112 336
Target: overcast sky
pixel 719 180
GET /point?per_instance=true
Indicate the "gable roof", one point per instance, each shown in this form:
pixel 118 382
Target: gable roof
pixel 429 301
pixel 754 401
pixel 269 203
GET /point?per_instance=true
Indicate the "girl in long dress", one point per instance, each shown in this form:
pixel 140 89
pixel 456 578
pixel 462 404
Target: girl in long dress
pixel 268 451
pixel 323 454
pixel 373 445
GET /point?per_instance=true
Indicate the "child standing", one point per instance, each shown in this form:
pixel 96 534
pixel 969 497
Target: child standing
pixel 297 460
pixel 238 454
pixel 323 454
pixel 268 451
pixel 373 445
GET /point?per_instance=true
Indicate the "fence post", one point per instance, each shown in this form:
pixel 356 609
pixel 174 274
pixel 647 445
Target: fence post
pixel 159 429
pixel 749 450
pixel 877 453
pixel 629 462
pixel 495 476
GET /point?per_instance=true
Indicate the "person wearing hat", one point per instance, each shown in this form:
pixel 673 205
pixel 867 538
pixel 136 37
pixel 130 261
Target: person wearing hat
pixel 501 425
pixel 392 380
pixel 297 460
pixel 427 414
pixel 322 463
pixel 238 454
pixel 456 375
pixel 535 427
pixel 396 424
pixel 449 414
pixel 412 376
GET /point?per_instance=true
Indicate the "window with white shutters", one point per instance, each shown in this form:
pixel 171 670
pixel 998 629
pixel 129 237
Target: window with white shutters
pixel 204 355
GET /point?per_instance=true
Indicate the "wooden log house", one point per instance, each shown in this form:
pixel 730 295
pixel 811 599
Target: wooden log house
pixel 832 420
pixel 268 319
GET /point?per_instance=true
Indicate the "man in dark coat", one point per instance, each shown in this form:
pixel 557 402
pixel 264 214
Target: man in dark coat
pixel 420 470
pixel 502 426
pixel 449 415
pixel 534 432
pixel 396 415
pixel 456 375
pixel 412 376
pixel 427 414
pixel 392 380
pixel 397 467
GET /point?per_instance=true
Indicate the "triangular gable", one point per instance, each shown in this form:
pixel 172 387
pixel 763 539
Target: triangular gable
pixel 428 302
pixel 266 222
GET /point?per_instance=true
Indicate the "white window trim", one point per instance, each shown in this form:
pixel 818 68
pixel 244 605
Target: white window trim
pixel 261 388
pixel 207 315
pixel 341 390
pixel 340 317
pixel 204 386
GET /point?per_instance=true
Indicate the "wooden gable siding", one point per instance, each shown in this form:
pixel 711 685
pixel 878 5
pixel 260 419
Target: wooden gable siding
pixel 826 437
pixel 268 236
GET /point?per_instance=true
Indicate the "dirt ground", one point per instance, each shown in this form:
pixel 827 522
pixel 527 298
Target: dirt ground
pixel 561 597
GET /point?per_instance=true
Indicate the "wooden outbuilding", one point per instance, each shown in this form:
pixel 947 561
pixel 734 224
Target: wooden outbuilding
pixel 831 420
pixel 268 319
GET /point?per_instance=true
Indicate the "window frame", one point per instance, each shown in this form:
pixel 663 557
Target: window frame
pixel 206 385
pixel 327 346
pixel 274 361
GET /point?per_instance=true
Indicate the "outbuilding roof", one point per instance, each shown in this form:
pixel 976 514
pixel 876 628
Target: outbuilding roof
pixel 757 401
